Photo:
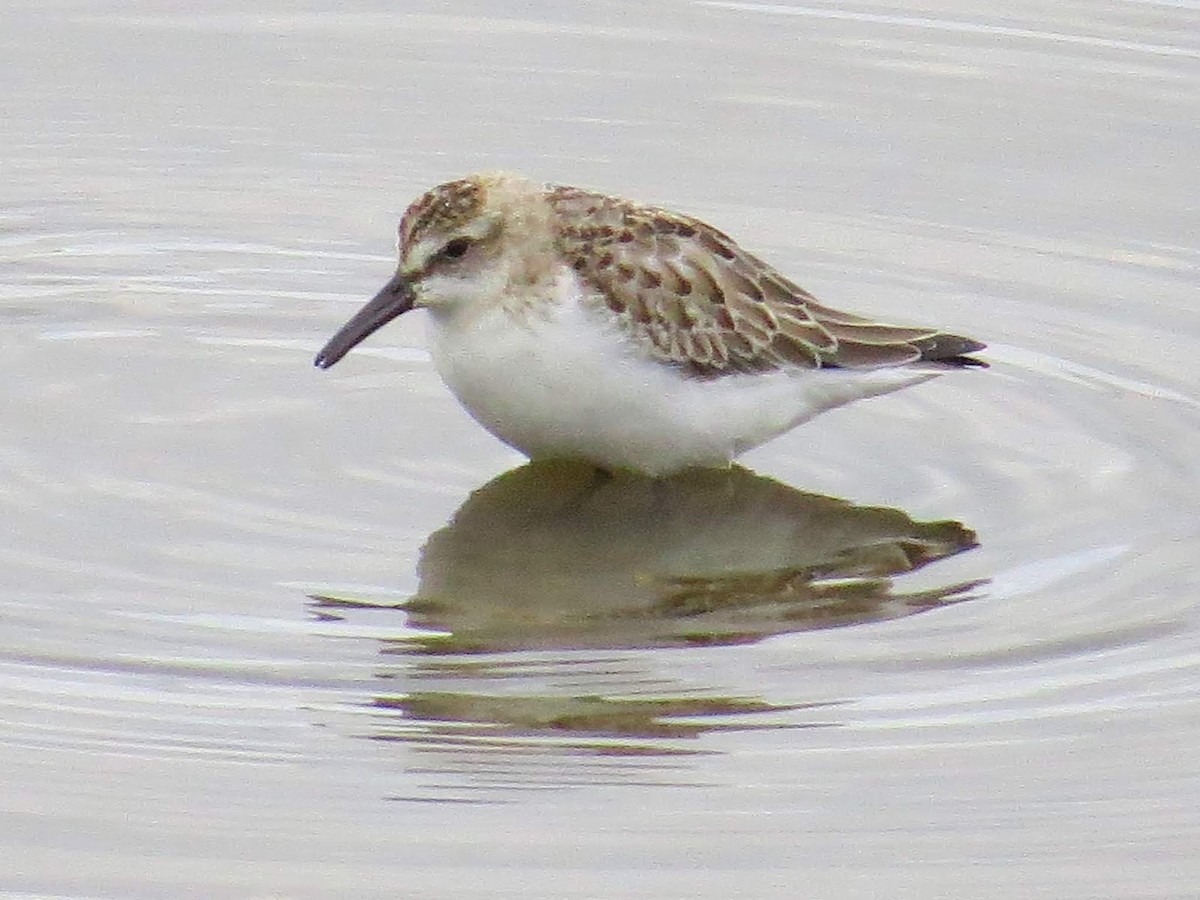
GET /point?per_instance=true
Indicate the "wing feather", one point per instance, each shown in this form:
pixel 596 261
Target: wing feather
pixel 690 296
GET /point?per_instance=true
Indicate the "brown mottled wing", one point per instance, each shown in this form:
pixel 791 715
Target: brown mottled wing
pixel 691 296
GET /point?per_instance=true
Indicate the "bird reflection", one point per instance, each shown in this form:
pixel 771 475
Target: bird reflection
pixel 557 556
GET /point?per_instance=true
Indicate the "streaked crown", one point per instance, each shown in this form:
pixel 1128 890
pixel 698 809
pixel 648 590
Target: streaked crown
pixel 443 209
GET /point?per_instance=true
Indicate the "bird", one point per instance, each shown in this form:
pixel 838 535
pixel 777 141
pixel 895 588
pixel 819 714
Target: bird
pixel 573 324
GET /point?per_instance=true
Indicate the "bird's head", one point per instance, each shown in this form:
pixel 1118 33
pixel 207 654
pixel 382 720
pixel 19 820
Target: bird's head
pixel 463 246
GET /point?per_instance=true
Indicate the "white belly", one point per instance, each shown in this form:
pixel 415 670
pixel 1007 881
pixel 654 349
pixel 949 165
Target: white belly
pixel 571 386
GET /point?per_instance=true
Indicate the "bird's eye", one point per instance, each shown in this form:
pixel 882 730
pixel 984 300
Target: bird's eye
pixel 456 248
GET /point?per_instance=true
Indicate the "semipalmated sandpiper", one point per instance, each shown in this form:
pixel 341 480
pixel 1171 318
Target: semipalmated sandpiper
pixel 572 324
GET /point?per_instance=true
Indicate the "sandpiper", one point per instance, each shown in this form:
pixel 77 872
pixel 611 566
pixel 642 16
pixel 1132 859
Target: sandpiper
pixel 573 324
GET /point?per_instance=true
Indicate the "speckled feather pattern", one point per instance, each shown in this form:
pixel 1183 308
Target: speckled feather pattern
pixel 689 295
pixel 685 292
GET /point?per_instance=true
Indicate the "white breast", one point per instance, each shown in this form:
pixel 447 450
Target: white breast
pixel 563 381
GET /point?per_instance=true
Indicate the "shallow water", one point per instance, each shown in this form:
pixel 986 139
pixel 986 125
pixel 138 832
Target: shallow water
pixel 277 632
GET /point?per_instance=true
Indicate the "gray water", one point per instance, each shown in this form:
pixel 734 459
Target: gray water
pixel 276 632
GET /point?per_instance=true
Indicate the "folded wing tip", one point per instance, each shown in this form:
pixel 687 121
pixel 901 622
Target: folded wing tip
pixel 942 347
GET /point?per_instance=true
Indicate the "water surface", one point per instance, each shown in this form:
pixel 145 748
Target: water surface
pixel 273 632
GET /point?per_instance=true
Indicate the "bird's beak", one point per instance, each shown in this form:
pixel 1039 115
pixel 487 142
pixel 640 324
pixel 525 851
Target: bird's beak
pixel 395 298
